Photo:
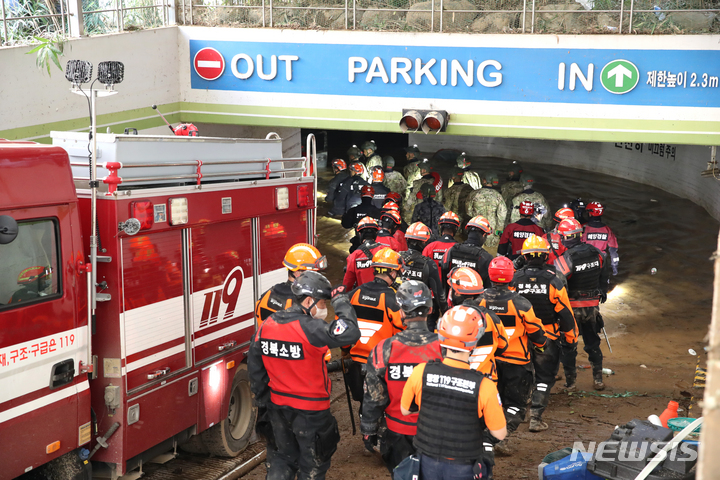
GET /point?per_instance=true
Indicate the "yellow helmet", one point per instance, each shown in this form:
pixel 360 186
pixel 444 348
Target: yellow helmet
pixel 303 256
pixel 534 245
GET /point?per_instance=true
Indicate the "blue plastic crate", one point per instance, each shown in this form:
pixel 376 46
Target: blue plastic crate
pixel 567 469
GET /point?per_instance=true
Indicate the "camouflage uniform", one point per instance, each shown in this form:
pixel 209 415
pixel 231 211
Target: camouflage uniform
pixel 489 203
pixel 395 182
pixel 412 172
pixel 534 197
pixel 473 179
pixel 510 189
pixel 374 161
pixel 455 197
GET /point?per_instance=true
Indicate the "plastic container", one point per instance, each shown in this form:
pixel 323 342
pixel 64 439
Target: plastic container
pixel 670 412
pixel 679 423
pixel 572 467
pixel 655 420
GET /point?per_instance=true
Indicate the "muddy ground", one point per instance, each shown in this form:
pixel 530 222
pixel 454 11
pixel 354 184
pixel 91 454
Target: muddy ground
pixel 652 319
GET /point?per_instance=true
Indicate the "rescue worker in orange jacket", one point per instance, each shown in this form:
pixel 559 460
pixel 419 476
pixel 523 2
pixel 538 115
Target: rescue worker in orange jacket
pixel 587 271
pixel 299 258
pixel 470 253
pixel 359 262
pixel 523 327
pixel 465 286
pixel 290 380
pixel 540 284
pixel 456 404
pixel 515 234
pixel 448 225
pixel 389 366
pixel 378 315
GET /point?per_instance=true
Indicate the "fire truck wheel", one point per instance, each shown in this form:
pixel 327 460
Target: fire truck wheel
pixel 232 435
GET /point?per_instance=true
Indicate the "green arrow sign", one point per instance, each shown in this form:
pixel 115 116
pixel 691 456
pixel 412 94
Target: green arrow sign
pixel 619 76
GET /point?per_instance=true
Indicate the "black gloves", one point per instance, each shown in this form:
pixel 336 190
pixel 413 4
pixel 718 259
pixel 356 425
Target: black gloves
pixel 370 441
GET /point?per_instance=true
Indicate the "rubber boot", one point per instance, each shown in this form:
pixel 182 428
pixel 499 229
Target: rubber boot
pixel 537 425
pixel 502 448
pixel 598 379
pixel 570 382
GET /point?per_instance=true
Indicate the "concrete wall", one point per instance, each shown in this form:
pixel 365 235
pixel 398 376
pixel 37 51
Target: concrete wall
pixel 679 176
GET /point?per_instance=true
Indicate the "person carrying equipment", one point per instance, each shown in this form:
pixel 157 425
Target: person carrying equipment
pixel 540 213
pixel 469 177
pixel 522 326
pixel 542 287
pixel 448 226
pixel 389 366
pixel 370 151
pixel 365 209
pixel 423 269
pixel 488 202
pixel 359 263
pixel 513 186
pixel 599 235
pixel 470 253
pixel 349 194
pixel 456 404
pixel 389 222
pixel 290 382
pixel 394 181
pixel 587 271
pixel 378 316
pixel 428 211
pixel 515 234
pixel 456 195
pixel 299 258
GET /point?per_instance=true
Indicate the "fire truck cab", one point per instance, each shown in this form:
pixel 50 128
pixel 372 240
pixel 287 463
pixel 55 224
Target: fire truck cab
pixel 113 363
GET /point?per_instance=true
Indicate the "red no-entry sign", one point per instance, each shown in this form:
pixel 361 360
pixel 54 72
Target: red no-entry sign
pixel 209 63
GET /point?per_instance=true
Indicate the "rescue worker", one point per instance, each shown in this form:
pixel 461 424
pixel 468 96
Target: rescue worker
pixel 377 183
pixel 366 208
pixel 372 158
pixel 412 169
pixel 349 191
pixel 354 154
pixel 540 285
pixel 299 258
pixel 378 315
pixel 599 235
pixel 454 411
pixel 392 201
pixel 389 366
pixel 341 174
pixel 522 326
pixel 553 237
pixel 394 181
pixel 419 267
pixel 587 271
pixel 359 262
pixel 395 227
pixel 469 177
pixel 448 226
pixel 457 194
pixel 428 211
pixel 488 202
pixel 414 195
pixel 470 253
pixel 290 382
pixel 389 222
pixel 513 186
pixel 515 233
pixel 578 207
pixel 536 198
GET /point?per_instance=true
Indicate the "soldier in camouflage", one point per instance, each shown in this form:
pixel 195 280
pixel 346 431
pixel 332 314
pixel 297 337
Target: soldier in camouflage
pixel 412 197
pixel 455 197
pixel 428 211
pixel 373 159
pixel 469 177
pixel 354 154
pixel 537 198
pixel 412 169
pixel 394 181
pixel 513 186
pixel 489 203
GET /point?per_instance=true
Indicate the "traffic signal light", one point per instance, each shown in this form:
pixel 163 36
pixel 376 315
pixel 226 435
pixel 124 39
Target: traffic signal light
pixel 425 120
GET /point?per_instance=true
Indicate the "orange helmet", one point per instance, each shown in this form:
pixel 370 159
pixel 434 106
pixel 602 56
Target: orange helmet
pixel 390 205
pixel 460 328
pixel 501 270
pixel 377 174
pixel 595 209
pixel 339 164
pixel 534 245
pixel 449 218
pixel 392 215
pixel 358 167
pixel 303 256
pixel 526 208
pixel 563 213
pixel 480 223
pixel 386 259
pixel 394 196
pixel 366 222
pixel 367 191
pixel 465 281
pixel 569 227
pixel 418 231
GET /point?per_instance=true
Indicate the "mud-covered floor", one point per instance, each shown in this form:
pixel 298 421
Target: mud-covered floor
pixel 652 319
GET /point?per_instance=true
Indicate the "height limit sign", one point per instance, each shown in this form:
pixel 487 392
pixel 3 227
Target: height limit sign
pixel 209 64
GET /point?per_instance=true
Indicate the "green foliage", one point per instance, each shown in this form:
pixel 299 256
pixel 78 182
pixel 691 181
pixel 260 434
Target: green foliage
pixel 49 50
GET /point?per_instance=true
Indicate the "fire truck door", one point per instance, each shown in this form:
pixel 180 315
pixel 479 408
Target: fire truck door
pixel 154 307
pixel 277 233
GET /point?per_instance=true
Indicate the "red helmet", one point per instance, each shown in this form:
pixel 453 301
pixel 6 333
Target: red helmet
pixel 569 227
pixel 465 281
pixel 390 205
pixel 418 231
pixel 366 222
pixel 393 215
pixel 378 175
pixel 394 196
pixel 367 191
pixel 480 223
pixel 460 328
pixel 358 167
pixel 563 213
pixel 526 208
pixel 501 270
pixel 449 218
pixel 595 209
pixel 339 164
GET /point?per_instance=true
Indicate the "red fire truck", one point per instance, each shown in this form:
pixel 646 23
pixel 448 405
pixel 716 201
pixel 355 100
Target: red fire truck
pixel 127 351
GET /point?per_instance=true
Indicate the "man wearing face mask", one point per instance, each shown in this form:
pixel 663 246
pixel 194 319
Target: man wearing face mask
pixel 290 380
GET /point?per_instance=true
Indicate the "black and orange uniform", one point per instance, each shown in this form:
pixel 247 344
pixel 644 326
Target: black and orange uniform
pixel 365 209
pixel 390 364
pixel 289 378
pixel 278 297
pixel 513 366
pixel 359 265
pixel 493 343
pixel 436 250
pixel 587 271
pixel 515 234
pixel 540 285
pixel 467 254
pixel 421 268
pixel 455 404
pixel 378 315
